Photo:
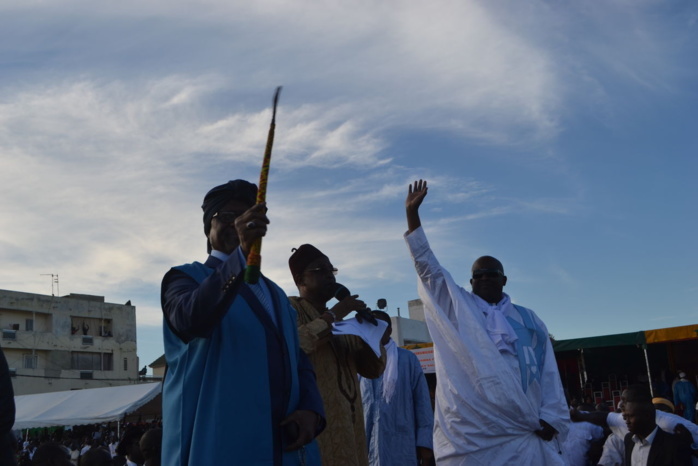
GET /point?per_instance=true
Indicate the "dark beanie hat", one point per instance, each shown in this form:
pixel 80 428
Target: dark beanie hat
pixel 303 256
pixel 215 199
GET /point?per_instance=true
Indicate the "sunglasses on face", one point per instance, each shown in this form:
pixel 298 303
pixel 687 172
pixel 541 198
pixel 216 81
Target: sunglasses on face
pixel 321 270
pixel 489 273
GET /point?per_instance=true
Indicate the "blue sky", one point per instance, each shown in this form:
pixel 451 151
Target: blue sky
pixel 559 137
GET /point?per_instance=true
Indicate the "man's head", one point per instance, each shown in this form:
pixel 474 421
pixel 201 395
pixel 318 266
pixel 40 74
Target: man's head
pixel 636 392
pixel 151 445
pixel 639 417
pixel 128 444
pixel 381 315
pixel 638 411
pixel 96 456
pixel 221 206
pixel 488 279
pixel 313 273
pixel 51 454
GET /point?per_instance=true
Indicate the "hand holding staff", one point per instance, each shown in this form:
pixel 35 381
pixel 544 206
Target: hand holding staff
pixel 254 259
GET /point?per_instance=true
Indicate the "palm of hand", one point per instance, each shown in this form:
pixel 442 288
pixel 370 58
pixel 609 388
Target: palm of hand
pixel 416 194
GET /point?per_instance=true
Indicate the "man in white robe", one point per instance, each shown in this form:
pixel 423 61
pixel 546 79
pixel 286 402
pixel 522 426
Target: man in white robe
pixel 499 398
pixel 397 409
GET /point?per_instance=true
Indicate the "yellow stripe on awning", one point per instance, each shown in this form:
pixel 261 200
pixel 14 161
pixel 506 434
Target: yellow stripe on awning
pixel 686 332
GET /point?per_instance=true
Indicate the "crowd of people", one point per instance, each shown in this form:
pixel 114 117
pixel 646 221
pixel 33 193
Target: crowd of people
pixel 258 378
pixel 91 445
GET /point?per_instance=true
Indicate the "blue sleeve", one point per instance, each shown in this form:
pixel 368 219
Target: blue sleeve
pixel 193 309
pixel 309 397
pixel 423 415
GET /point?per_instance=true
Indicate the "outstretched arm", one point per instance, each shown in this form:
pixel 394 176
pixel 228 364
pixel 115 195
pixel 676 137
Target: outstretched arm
pixel 437 281
pixel 597 417
pixel 415 196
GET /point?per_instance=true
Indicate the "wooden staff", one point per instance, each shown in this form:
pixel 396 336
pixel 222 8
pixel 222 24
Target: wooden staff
pixel 254 258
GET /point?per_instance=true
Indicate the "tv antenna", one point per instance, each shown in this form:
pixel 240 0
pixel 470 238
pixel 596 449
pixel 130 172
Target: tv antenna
pixel 54 281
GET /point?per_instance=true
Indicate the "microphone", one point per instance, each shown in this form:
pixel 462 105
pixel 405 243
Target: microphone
pixel 342 292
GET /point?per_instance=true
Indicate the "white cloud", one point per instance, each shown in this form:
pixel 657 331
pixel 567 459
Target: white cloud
pixel 115 118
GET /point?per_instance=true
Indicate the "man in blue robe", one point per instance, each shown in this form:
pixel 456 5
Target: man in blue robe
pixel 397 409
pixel 685 395
pixel 238 389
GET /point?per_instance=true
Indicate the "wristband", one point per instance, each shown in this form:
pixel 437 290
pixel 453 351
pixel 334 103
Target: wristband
pixel 334 316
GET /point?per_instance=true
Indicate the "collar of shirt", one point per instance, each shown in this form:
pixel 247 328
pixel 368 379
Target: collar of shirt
pixel 223 256
pixel 647 440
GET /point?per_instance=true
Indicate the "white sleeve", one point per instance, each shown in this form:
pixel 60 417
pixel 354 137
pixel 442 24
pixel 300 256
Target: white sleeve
pixel 433 277
pixel 613 451
pixel 617 425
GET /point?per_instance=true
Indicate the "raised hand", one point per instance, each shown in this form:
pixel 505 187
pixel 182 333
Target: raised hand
pixel 415 195
pixel 251 225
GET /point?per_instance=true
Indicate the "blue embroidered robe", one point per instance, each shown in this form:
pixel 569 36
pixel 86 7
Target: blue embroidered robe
pixel 233 375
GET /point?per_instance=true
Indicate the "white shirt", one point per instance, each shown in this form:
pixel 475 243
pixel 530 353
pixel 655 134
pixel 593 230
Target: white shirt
pixel 641 450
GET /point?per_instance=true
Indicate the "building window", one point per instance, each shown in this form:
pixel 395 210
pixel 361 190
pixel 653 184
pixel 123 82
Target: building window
pixel 82 361
pixel 105 330
pixel 125 364
pixel 9 334
pixel 107 362
pixel 29 325
pixel 31 361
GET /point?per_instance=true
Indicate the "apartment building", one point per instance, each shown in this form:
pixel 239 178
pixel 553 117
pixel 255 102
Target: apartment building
pixel 65 343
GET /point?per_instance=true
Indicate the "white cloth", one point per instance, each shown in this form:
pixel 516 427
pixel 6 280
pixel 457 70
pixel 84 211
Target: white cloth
pixel 613 451
pixel 74 456
pixel 578 441
pixel 499 329
pixel 369 333
pixel 390 374
pixel 665 421
pixel 483 416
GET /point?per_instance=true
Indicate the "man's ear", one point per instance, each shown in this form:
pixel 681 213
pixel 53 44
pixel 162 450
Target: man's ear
pixel 298 280
pixel 504 282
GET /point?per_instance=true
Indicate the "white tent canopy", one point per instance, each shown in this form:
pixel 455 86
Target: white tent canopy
pixel 75 407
